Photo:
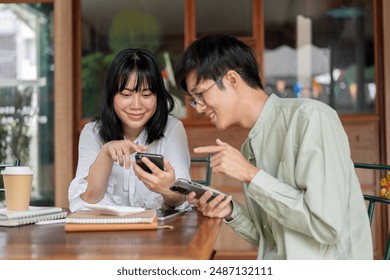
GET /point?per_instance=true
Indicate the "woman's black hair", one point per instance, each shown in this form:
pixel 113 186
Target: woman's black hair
pixel 212 56
pixel 148 74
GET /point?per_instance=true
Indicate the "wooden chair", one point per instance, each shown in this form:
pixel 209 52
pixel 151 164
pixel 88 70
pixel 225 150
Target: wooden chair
pixel 376 200
pixel 3 166
pixel 207 180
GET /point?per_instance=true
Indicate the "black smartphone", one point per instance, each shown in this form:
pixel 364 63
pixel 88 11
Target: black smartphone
pixel 157 159
pixel 166 214
pixel 185 186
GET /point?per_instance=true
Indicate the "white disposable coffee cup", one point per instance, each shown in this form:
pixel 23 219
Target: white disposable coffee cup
pixel 17 186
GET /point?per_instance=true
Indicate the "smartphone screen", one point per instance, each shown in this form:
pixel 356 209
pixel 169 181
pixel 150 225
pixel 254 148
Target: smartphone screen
pixel 165 214
pixel 157 159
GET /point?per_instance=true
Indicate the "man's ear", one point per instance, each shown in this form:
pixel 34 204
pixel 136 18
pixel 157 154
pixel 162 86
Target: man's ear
pixel 233 78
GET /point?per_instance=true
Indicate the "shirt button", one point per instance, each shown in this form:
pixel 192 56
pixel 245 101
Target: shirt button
pixel 264 226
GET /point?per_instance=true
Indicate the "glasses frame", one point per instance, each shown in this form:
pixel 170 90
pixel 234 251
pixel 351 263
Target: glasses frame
pixel 198 98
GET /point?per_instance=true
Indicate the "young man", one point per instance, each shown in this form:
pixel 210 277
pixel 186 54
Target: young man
pixel 303 197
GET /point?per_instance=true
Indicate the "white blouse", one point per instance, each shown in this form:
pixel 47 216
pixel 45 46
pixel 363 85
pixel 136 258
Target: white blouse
pixel 124 188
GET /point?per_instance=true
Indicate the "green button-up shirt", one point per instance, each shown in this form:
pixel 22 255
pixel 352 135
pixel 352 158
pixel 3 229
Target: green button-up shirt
pixel 306 201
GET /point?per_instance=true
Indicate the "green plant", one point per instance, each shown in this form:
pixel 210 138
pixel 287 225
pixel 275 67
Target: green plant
pixel 133 28
pixel 14 129
pixel 129 28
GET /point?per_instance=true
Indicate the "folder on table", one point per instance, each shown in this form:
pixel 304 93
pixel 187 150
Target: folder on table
pixel 95 221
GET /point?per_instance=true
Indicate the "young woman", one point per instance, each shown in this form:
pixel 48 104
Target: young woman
pixel 134 117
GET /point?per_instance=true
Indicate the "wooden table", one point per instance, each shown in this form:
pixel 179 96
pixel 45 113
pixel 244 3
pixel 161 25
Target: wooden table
pixel 193 237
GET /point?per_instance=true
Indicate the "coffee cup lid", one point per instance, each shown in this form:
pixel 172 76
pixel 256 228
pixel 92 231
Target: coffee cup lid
pixel 17 170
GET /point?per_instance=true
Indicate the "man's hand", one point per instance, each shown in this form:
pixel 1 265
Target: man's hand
pixel 216 208
pixel 228 160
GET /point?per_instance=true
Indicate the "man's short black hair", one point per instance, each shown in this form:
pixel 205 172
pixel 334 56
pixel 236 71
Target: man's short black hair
pixel 212 56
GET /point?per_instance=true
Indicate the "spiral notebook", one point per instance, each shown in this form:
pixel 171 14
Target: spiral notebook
pixel 33 215
pixel 95 221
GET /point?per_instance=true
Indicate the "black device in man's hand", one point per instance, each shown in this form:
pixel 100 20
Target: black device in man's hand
pixel 184 186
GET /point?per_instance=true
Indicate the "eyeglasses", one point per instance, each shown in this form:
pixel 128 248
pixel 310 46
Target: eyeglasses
pixel 198 98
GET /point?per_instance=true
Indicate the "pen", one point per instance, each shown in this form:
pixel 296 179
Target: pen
pixel 49 222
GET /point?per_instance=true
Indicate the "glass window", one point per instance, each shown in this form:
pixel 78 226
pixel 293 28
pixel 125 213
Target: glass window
pixel 26 93
pixel 323 51
pixel 224 16
pixel 110 26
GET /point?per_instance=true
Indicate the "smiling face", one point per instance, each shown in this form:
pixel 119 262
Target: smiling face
pixel 219 104
pixel 134 108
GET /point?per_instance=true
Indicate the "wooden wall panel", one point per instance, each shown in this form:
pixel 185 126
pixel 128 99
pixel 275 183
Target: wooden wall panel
pixel 364 141
pixel 63 97
pixel 386 74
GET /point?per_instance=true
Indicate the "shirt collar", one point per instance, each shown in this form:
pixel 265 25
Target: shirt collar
pixel 141 139
pixel 265 113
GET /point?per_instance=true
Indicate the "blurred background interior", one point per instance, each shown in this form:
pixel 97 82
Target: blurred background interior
pixel 54 55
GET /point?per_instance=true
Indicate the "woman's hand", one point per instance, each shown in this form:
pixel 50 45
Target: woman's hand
pixel 120 150
pixel 100 170
pixel 159 181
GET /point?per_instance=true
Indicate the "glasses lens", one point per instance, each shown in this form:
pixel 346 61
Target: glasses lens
pixel 192 102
